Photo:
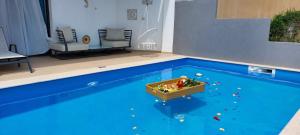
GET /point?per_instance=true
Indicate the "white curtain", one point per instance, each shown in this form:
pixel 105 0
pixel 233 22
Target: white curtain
pixel 24 25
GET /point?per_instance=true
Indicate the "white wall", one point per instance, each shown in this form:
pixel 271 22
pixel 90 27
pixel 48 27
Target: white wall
pixel 113 13
pixel 86 21
pixel 139 26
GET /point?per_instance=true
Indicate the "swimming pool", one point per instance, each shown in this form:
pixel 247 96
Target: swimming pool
pixel 115 102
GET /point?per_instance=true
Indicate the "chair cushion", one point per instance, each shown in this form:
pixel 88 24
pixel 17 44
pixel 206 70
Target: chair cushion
pixel 71 47
pixel 68 34
pixel 115 34
pixel 9 55
pixel 121 43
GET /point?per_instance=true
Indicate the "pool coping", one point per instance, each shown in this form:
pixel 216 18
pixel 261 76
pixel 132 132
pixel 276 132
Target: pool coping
pixel 74 73
pixel 292 127
pixel 55 76
pixel 247 64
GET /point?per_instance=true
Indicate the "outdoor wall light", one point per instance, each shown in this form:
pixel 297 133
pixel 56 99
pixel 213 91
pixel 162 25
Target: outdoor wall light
pixel 86 3
pixel 147 2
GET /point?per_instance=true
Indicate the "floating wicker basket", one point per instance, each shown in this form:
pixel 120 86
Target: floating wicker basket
pixel 173 94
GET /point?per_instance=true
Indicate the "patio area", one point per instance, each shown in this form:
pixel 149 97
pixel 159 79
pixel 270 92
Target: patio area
pixel 46 65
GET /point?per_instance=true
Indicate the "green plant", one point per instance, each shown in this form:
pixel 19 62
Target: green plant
pixel 191 83
pixel 277 28
pixel 285 26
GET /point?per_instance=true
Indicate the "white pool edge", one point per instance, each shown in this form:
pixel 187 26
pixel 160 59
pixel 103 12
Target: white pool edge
pixel 245 63
pixel 55 76
pixel 293 126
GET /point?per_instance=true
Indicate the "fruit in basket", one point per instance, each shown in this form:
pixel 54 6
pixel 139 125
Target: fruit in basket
pixel 174 86
pixel 180 84
pixel 163 88
pixel 191 83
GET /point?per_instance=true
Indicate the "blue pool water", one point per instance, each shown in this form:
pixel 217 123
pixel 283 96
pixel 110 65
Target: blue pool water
pixel 100 104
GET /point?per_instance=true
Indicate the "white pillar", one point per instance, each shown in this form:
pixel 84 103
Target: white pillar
pixel 168 26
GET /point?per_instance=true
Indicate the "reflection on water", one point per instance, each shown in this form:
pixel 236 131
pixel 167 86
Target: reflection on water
pixel 179 106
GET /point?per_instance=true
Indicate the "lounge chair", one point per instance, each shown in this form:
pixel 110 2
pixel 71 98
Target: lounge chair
pixel 115 38
pixel 8 55
pixel 68 42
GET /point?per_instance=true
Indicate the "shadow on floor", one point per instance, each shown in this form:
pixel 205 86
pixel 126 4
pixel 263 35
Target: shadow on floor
pixel 80 55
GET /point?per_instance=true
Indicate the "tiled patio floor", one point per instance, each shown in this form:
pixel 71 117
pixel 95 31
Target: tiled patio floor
pixel 45 65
